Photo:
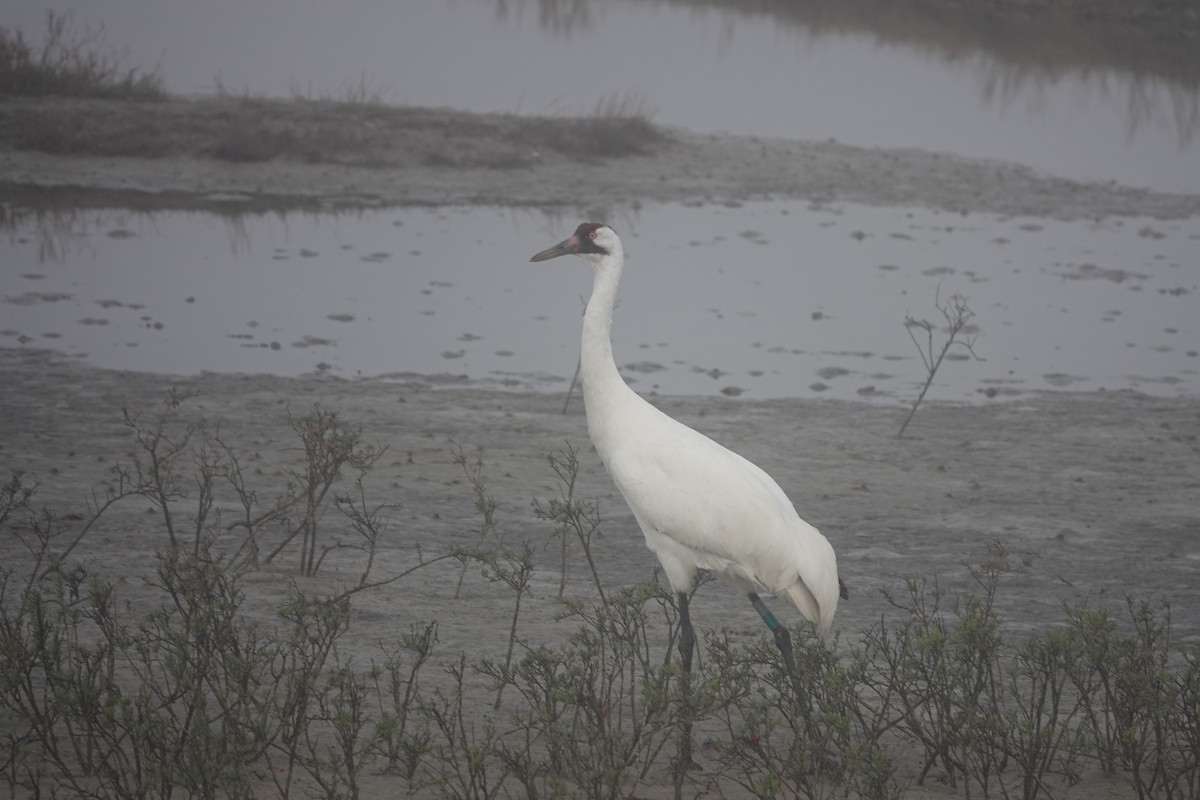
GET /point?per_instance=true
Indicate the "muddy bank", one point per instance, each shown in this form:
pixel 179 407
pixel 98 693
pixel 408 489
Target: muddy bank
pixel 1094 493
pixel 495 160
pixel 691 169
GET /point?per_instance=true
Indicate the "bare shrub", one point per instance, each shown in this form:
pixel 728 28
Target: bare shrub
pixel 80 64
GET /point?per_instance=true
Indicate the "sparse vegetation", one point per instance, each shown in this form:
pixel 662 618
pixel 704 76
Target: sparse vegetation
pixel 360 91
pixel 198 690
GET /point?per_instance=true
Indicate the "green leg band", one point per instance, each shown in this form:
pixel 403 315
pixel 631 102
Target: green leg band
pixel 764 612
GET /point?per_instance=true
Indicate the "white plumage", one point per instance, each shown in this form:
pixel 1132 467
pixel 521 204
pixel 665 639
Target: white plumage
pixel 700 505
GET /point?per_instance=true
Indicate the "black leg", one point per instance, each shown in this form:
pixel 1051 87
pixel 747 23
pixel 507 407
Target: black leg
pixel 687 644
pixel 687 636
pixel 783 640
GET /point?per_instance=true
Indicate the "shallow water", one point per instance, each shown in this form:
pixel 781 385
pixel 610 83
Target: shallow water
pixel 771 299
pixel 762 74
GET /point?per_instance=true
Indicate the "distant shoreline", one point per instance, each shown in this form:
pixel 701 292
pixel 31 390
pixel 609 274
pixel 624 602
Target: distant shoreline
pixel 438 157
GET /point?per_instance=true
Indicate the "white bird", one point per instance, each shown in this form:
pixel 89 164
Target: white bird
pixel 699 505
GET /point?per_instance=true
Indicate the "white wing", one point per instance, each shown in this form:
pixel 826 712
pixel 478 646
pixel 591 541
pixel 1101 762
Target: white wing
pixel 702 505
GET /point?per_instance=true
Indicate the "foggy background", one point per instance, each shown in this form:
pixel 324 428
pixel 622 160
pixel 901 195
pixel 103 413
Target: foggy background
pixel 1047 96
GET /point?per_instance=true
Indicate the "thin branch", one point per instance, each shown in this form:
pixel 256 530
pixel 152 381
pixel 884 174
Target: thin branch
pixel 957 315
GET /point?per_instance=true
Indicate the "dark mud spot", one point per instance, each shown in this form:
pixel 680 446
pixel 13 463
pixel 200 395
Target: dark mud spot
pixel 314 341
pixel 644 367
pixel 33 298
pixel 1061 379
pixel 1094 272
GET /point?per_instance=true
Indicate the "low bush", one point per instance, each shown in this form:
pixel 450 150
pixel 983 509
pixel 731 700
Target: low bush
pixel 194 691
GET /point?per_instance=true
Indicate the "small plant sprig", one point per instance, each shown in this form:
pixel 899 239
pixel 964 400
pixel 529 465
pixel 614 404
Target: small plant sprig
pixel 958 316
pixel 329 446
pixel 402 735
pixel 485 504
pixel 158 448
pixel 570 515
pixel 515 570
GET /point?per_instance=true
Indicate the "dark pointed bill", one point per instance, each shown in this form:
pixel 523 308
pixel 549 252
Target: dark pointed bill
pixel 563 248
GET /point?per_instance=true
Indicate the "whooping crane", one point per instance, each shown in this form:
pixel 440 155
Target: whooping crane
pixel 699 505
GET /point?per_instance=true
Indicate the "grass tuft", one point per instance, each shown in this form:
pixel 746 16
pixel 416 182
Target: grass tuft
pixel 72 63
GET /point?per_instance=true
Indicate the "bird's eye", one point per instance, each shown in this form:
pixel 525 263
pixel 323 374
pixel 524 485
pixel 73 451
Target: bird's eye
pixel 592 235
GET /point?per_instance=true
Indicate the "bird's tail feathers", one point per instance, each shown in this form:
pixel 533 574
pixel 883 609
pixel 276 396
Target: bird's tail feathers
pixel 803 599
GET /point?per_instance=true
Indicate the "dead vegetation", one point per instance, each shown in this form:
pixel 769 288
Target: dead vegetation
pixel 72 63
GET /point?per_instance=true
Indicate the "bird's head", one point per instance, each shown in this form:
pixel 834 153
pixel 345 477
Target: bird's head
pixel 589 239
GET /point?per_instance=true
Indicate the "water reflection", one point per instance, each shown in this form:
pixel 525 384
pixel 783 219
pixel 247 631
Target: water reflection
pixel 716 299
pixel 1151 61
pixel 62 224
pixel 1040 43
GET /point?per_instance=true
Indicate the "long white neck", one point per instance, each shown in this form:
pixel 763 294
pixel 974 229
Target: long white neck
pixel 604 391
